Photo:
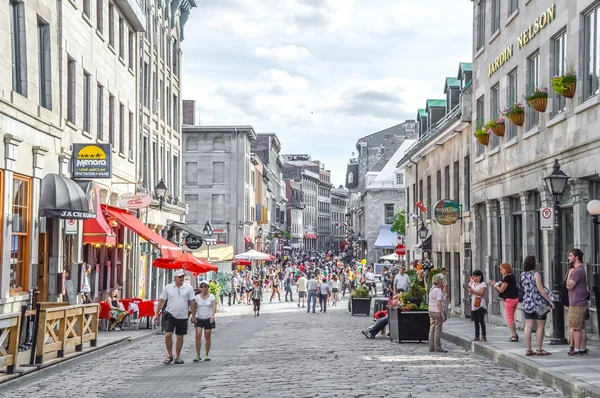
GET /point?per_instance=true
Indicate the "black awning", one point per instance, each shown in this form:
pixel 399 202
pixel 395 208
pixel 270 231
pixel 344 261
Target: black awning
pixel 63 198
pixel 186 228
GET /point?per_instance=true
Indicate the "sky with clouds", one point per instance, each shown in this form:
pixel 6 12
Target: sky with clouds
pixel 321 73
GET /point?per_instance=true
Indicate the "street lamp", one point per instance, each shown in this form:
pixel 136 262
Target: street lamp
pixel 161 190
pixel 423 232
pixel 556 183
pixel 208 229
pixel 593 208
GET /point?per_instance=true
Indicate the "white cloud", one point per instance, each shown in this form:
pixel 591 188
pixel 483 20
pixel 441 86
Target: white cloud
pixel 283 53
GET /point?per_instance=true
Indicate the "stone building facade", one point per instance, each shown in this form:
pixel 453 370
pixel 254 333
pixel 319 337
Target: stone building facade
pixel 324 209
pixel 339 225
pixel 437 167
pixel 295 207
pixel 516 49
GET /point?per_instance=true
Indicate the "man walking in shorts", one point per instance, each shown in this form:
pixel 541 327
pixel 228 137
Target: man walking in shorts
pixel 178 296
pixel 578 292
pixel 301 289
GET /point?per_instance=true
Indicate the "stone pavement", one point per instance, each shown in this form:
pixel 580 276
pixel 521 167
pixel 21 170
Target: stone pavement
pixel 574 376
pixel 286 353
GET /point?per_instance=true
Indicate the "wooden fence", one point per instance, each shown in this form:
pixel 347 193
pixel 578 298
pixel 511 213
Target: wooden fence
pixel 10 325
pixel 59 327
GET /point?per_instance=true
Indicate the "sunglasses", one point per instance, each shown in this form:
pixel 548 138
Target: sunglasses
pixel 203 286
pixel 180 276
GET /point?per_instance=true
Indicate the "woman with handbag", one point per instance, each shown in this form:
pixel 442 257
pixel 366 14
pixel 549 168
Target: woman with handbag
pixel 509 292
pixel 536 305
pixel 477 290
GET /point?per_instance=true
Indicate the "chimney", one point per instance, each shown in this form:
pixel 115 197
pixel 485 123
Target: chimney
pixel 189 112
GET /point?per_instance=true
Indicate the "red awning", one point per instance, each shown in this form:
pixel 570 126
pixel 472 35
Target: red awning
pixel 310 236
pixel 247 239
pixel 122 216
pixel 96 230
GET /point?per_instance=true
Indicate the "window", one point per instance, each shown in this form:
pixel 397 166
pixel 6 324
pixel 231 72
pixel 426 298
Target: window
pixel 191 143
pixel 155 162
pixel 219 144
pixel 154 93
pixel 495 16
pixel 591 67
pixel 494 110
pixel 517 233
pixel 513 5
pixel 161 101
pixel 438 185
pixel 122 128
pixel 100 16
pixel 192 201
pixel 168 107
pixel 19 254
pixel 111 119
pixel 219 172
pixel 146 86
pixel 87 102
pixel 175 176
pixel 407 201
pixel 447 182
pixel 71 90
pixel 559 66
pixel 18 48
pixel 121 38
pixel 480 24
pixel 456 175
pixel 479 121
pixel 511 98
pixel 130 136
pixel 389 213
pixel 454 280
pixel 145 161
pixel 44 58
pixel 218 208
pixel 428 203
pixel 175 59
pixel 111 24
pixel 131 49
pixel 100 112
pixel 87 8
pixel 533 70
pixel 191 173
pixel 399 179
pixel 175 113
pixel 467 183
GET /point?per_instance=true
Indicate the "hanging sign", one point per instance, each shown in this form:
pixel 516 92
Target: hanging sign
pixel 193 242
pixel 134 201
pixel 446 212
pixel 92 161
pixel 546 218
pixel 70 227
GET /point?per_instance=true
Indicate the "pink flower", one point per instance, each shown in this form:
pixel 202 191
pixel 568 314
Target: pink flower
pixel 500 120
pixel 489 132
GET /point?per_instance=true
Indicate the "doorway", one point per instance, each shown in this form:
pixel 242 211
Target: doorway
pixel 44 255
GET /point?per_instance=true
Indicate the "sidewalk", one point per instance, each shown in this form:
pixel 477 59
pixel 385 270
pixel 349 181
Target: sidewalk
pixel 105 340
pixel 574 376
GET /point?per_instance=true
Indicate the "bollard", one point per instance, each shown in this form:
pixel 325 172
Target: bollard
pixel 22 337
pixel 32 358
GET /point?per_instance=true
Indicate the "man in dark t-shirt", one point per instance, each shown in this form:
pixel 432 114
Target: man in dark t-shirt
pixel 578 297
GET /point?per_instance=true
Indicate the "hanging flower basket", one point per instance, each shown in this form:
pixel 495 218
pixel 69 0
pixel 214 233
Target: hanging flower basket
pixel 515 113
pixel 539 103
pixel 497 126
pixel 483 135
pixel 483 139
pixel 570 91
pixel 517 119
pixel 565 84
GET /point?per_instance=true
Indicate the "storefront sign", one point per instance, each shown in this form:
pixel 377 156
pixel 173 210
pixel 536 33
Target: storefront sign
pixel 193 242
pixel 92 161
pixel 524 38
pixel 446 212
pixel 133 201
pixel 70 227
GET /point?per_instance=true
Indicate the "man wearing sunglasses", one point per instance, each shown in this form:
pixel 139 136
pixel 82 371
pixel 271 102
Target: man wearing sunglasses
pixel 178 296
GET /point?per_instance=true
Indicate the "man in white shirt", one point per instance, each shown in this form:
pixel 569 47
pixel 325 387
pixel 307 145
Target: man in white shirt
pixel 301 287
pixel 177 296
pixel 401 281
pixel 370 280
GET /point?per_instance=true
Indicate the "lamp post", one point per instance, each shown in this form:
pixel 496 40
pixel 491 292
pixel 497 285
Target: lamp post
pixel 208 230
pixel 259 235
pixel 423 232
pixel 556 183
pixel 161 191
pixel 593 208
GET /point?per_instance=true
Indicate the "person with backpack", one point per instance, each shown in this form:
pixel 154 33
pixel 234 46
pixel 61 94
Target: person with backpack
pixel 509 292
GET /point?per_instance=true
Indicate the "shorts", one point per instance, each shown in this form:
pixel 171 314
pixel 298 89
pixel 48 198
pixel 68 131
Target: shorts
pixel 179 326
pixel 577 317
pixel 301 294
pixel 370 284
pixel 205 324
pixel 534 316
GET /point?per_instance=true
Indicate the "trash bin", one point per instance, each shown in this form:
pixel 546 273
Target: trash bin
pixel 379 303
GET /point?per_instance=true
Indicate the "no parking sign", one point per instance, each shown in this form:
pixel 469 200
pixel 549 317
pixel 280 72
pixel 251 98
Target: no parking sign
pixel 71 227
pixel 546 218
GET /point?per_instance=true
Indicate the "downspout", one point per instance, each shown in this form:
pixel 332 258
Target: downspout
pixel 416 185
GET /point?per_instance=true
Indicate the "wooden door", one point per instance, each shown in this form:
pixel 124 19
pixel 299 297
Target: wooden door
pixel 44 248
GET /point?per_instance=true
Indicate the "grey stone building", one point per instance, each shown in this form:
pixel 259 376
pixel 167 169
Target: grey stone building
pixel 437 167
pixel 518 47
pixel 217 181
pixel 294 218
pixel 339 207
pixel 324 209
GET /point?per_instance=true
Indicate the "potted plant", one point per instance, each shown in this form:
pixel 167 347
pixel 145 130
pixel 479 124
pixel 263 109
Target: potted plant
pixel 410 322
pixel 360 301
pixel 483 135
pixel 414 295
pixel 565 84
pixel 515 113
pixel 538 99
pixel 497 126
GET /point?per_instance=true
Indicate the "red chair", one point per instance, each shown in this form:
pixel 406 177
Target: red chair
pixel 146 310
pixel 104 313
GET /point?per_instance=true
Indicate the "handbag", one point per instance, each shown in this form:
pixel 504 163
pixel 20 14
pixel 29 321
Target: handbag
pixel 477 302
pixel 542 310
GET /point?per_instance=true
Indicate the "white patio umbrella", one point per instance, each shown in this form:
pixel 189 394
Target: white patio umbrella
pixel 390 257
pixel 252 255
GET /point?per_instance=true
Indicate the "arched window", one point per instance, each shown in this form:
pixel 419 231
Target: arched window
pixel 219 144
pixel 350 178
pixel 191 144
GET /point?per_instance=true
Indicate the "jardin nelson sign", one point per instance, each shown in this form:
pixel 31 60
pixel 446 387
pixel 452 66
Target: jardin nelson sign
pixel 524 38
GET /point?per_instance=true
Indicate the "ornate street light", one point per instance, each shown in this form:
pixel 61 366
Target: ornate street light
pixel 161 191
pixel 260 231
pixel 556 184
pixel 208 229
pixel 423 232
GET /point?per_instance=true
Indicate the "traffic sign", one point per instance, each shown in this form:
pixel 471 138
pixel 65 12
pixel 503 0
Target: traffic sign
pixel 71 227
pixel 546 218
pixel 400 249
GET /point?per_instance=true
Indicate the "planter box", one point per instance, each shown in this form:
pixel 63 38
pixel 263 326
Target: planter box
pixel 408 326
pixel 360 306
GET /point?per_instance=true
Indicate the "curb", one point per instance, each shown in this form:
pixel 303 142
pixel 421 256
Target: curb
pixel 569 386
pixel 19 379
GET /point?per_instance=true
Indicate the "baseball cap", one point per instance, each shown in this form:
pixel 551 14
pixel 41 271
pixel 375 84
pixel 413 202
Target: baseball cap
pixel 203 283
pixel 179 272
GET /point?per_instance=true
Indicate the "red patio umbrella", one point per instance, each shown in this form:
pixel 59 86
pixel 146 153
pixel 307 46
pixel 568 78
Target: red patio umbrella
pixel 186 261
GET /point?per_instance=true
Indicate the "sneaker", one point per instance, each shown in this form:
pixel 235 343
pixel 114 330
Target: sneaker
pixel 206 358
pixel 441 350
pixel 299 305
pixel 197 359
pixel 367 334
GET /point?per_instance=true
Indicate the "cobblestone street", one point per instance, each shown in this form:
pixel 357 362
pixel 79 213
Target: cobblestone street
pixel 285 353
